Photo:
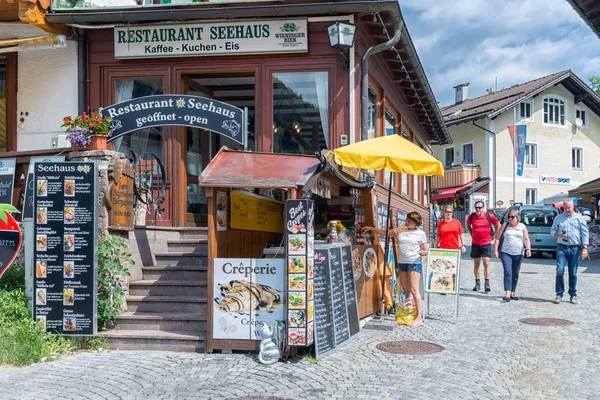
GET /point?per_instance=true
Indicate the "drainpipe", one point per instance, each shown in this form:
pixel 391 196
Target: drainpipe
pixel 364 72
pixel 81 69
pixel 493 160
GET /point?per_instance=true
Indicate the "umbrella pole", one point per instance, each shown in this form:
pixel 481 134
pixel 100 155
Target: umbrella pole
pixel 387 249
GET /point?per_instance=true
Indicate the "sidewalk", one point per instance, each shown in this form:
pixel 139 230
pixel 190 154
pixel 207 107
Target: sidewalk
pixel 488 355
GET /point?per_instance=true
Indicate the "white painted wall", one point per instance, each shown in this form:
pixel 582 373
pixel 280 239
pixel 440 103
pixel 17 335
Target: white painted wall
pixel 47 88
pixel 554 149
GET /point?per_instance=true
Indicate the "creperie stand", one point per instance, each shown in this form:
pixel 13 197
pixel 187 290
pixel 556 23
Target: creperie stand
pixel 273 258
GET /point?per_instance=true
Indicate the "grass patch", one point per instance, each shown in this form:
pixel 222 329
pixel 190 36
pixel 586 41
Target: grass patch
pixel 311 360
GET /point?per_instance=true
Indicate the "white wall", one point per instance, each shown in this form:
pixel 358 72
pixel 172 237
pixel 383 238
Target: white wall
pixel 47 88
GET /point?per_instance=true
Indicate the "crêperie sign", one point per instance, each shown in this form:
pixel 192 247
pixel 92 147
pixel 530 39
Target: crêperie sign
pixel 10 241
pixel 181 110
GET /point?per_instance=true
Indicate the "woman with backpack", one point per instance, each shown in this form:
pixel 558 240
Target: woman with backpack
pixel 511 241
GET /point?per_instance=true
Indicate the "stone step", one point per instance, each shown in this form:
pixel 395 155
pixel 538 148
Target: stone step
pixel 193 232
pixel 166 304
pixel 179 258
pixel 199 246
pixel 168 288
pixel 177 272
pixel 155 340
pixel 167 322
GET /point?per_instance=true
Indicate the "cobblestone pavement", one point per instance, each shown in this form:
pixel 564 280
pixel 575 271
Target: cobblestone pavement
pixel 489 355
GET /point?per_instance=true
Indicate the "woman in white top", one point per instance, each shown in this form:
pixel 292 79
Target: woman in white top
pixel 515 239
pixel 412 245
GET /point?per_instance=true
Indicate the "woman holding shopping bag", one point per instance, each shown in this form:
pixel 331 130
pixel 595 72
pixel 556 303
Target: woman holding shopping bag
pixel 511 239
pixel 412 245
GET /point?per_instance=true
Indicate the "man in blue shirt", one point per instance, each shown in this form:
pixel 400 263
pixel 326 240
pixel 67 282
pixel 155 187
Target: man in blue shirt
pixel 572 241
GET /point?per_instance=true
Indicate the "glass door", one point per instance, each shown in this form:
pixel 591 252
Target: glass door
pixel 202 145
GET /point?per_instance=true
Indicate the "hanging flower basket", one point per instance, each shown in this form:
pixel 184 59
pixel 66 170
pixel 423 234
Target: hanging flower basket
pixel 88 131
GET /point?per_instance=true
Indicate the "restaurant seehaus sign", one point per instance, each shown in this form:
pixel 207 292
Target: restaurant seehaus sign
pixel 182 110
pixel 212 38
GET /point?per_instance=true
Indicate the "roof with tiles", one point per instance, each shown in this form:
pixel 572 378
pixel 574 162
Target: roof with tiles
pixel 486 105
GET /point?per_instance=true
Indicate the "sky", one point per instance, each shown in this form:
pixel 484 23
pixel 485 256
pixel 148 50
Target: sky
pixel 513 41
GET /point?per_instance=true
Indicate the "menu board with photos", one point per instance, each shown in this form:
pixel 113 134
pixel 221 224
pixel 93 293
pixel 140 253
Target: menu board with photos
pixel 336 306
pixel 299 256
pixel 65 225
pixel 27 211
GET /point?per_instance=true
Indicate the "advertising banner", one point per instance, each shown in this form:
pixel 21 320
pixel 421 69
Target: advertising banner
pixel 299 256
pixel 247 293
pixel 212 38
pixel 442 271
pixel 180 110
pixel 520 131
pixel 66 225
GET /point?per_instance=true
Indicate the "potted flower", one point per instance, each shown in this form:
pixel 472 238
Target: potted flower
pixel 87 131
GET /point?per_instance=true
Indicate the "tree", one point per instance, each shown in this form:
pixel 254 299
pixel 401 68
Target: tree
pixel 594 82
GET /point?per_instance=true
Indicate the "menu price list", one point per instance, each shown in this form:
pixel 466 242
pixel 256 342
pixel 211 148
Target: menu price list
pixel 299 254
pixel 65 227
pixel 336 308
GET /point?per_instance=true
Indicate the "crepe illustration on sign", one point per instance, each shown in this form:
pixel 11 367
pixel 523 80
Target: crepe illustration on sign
pixel 296 265
pixel 296 244
pixel 297 336
pixel 356 264
pixel 240 295
pixel 443 265
pixel 296 318
pixel 297 282
pixel 296 300
pixel 442 282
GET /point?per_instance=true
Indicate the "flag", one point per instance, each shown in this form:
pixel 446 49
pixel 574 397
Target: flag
pixel 521 134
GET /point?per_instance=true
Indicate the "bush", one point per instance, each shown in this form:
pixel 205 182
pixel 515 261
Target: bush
pixel 113 259
pixel 22 342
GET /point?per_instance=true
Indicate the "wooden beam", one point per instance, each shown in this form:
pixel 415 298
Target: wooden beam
pixel 581 96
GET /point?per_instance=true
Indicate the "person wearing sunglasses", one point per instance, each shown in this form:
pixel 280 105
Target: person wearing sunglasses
pixel 482 227
pixel 450 234
pixel 511 240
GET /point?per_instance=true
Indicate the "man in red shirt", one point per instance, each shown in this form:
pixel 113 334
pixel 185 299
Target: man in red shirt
pixel 479 225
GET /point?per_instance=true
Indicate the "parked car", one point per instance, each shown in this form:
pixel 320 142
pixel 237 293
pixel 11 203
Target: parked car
pixel 498 212
pixel 538 220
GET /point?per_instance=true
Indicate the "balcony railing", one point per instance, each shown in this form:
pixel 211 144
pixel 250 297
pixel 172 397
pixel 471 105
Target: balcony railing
pixel 456 175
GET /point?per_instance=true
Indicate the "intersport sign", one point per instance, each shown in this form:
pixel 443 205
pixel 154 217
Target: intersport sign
pixel 555 180
pixel 211 38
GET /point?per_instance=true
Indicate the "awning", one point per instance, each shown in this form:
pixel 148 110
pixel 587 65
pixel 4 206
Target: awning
pixel 588 189
pixel 34 43
pixel 239 169
pixel 449 192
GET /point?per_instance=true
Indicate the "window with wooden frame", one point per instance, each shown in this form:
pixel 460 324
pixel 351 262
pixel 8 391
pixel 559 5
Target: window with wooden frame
pixel 8 102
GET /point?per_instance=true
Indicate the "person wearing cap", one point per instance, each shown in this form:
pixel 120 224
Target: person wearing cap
pixel 450 233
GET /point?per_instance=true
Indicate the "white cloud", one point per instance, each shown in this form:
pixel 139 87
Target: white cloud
pixel 514 41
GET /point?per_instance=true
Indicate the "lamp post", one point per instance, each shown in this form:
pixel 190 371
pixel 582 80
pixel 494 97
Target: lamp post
pixel 341 36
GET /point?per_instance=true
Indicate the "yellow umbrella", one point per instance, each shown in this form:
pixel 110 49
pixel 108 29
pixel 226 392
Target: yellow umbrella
pixel 397 155
pixel 392 152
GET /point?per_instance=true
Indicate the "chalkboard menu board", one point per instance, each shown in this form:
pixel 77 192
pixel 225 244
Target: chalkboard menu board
pixel 65 224
pixel 27 212
pixel 336 308
pixel 7 178
pixel 350 290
